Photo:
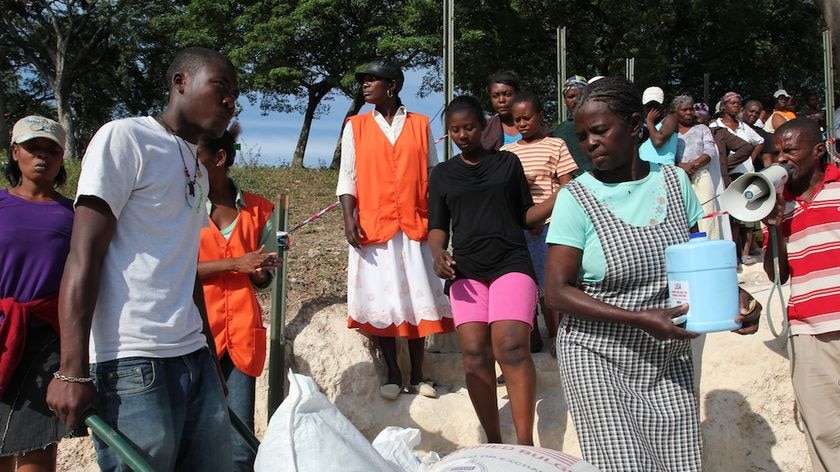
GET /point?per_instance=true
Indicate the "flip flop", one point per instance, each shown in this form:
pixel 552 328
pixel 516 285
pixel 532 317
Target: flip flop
pixel 390 391
pixel 425 389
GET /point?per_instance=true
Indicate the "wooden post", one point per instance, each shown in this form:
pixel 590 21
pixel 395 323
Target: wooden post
pixel 277 339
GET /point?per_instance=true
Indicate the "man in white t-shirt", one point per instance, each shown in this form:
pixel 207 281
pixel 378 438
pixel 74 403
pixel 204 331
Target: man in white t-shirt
pixel 134 335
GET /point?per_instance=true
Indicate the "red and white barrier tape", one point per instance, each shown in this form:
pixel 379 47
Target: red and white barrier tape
pixel 715 214
pixel 314 217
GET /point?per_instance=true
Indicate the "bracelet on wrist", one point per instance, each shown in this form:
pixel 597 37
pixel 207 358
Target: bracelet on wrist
pixel 67 378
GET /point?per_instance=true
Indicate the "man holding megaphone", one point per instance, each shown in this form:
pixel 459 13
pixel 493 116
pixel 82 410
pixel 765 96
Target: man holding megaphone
pixel 806 223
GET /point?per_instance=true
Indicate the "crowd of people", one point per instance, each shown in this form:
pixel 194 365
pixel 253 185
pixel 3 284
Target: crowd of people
pixel 140 300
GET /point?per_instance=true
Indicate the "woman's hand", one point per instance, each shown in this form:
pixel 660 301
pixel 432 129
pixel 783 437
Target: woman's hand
pixel 444 265
pixel 353 232
pixel 255 261
pixel 659 323
pixel 688 167
pixel 537 229
pixel 750 313
pixel 652 116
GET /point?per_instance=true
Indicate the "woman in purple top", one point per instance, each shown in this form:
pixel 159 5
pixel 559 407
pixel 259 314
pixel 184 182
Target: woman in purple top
pixel 35 225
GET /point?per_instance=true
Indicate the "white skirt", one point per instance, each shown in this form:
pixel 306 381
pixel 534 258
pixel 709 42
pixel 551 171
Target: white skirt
pixel 392 290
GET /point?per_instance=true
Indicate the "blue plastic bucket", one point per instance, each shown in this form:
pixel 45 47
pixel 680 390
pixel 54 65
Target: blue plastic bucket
pixel 704 274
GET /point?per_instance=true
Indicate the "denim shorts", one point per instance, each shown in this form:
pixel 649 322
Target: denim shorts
pixel 26 424
pixel 172 410
pixel 538 250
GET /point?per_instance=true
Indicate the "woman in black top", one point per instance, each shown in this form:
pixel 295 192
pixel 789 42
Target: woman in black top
pixel 490 278
pixel 500 129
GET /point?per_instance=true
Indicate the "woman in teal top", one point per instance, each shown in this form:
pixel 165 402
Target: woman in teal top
pixel 661 127
pixel 629 201
pixel 626 367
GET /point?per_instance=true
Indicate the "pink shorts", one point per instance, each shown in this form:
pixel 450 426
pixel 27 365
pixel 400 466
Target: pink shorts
pixel 511 297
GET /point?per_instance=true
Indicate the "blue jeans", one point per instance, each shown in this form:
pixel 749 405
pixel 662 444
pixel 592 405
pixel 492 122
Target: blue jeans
pixel 241 392
pixel 172 410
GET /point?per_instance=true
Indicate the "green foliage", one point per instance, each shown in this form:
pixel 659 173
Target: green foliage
pixel 312 189
pixel 73 168
pixel 89 61
pixel 295 55
pixel 744 46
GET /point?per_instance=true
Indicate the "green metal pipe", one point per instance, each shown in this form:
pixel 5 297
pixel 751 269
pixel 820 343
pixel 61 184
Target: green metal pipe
pixel 116 441
pixel 277 337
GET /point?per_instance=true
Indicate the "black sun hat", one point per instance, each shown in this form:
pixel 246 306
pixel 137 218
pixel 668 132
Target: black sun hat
pixel 383 69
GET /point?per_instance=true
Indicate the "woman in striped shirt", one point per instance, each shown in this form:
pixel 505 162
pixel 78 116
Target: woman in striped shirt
pixel 548 165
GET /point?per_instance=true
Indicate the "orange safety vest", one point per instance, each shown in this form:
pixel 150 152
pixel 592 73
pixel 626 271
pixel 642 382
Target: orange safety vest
pixel 392 180
pixel 232 307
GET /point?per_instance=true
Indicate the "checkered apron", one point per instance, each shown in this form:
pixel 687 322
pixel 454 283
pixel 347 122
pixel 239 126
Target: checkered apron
pixel 630 395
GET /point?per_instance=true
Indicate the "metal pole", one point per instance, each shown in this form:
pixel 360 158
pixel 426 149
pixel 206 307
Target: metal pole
pixel 706 90
pixel 828 65
pixel 448 62
pixel 277 339
pixel 632 69
pixel 561 107
pixel 561 73
pixel 115 440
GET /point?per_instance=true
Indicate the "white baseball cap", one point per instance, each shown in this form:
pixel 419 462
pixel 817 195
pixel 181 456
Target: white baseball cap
pixel 653 94
pixel 35 126
pixel 780 93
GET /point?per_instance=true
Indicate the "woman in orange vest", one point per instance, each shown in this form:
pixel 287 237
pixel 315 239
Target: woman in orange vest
pixel 392 290
pixel 237 253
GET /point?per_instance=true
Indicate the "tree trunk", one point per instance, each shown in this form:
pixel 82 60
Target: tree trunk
pixel 314 98
pixel 356 105
pixel 66 121
pixel 5 133
pixel 61 90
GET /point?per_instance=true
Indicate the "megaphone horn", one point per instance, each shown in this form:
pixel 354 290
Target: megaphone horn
pixel 752 196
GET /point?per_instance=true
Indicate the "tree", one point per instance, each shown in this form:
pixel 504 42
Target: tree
pixel 21 94
pixel 92 60
pixel 294 55
pixel 60 39
pixel 746 47
pixel 831 12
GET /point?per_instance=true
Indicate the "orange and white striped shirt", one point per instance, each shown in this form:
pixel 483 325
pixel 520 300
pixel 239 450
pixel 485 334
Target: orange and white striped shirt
pixel 544 162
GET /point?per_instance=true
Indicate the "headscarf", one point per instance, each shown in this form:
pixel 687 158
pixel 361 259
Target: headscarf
pixel 701 108
pixel 729 96
pixel 575 81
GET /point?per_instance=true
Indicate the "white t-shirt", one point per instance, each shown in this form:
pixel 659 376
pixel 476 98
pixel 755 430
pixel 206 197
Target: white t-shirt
pixel 145 305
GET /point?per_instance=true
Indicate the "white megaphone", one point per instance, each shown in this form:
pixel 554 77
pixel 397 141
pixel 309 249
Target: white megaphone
pixel 752 196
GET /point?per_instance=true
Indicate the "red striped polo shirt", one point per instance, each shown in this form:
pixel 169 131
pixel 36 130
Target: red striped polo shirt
pixel 812 232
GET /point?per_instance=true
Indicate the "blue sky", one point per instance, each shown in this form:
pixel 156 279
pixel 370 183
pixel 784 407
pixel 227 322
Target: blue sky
pixel 275 135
